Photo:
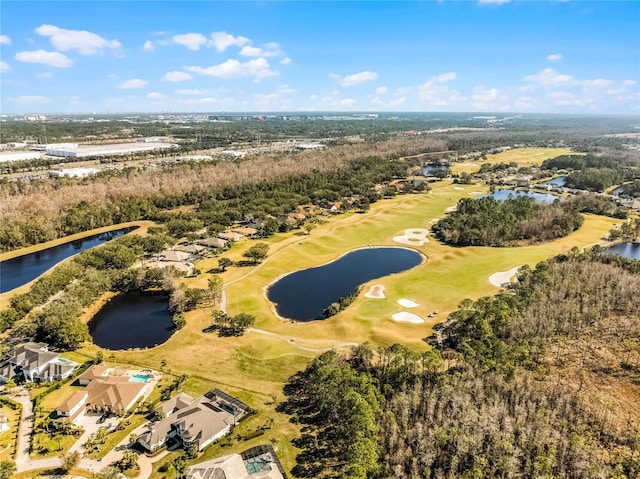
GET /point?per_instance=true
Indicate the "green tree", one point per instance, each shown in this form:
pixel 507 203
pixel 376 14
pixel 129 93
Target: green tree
pixel 7 469
pixel 257 253
pixel 71 460
pixel 215 288
pixel 108 473
pixel 224 263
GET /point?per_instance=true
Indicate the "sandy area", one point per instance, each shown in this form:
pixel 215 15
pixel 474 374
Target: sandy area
pixel 413 236
pixel 451 209
pixel 459 188
pixel 502 277
pixel 407 303
pixel 433 221
pixel 475 193
pixel 375 292
pixel 405 317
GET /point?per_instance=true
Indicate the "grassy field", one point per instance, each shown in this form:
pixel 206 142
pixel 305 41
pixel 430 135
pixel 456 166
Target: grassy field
pixel 522 156
pixel 254 367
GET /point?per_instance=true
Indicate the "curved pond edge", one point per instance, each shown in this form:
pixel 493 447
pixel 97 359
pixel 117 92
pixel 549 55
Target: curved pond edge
pixel 9 255
pixel 272 305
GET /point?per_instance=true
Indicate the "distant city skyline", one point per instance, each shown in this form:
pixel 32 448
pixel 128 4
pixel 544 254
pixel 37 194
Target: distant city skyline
pixel 578 57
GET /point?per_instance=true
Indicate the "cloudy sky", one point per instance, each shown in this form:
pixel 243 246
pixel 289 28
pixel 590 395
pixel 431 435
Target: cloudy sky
pixel 208 56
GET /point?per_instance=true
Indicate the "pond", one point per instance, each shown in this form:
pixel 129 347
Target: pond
pixel 304 295
pixel 628 250
pixel 17 271
pixel 557 181
pixel 435 170
pixel 502 195
pixel 132 320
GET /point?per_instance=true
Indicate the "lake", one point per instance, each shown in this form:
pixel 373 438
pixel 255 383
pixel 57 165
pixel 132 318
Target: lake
pixel 304 295
pixel 628 250
pixel 132 320
pixel 502 195
pixel 20 270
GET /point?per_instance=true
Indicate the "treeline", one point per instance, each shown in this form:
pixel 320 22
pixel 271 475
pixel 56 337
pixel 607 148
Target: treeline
pixel 40 211
pixel 489 222
pixel 512 388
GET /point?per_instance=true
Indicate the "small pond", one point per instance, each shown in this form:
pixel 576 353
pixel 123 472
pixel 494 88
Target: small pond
pixel 628 250
pixel 557 181
pixel 304 295
pixel 435 170
pixel 502 195
pixel 20 270
pixel 132 320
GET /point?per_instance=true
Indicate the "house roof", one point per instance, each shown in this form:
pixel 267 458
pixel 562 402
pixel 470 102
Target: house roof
pixel 232 466
pixel 35 358
pixel 230 235
pixel 246 231
pixel 199 421
pixel 167 264
pixel 113 392
pixel 212 242
pixel 95 371
pixel 189 248
pixel 75 399
pixel 170 255
pixel 179 401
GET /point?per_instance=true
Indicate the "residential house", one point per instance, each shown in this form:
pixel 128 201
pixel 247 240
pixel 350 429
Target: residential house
pixel 212 242
pixel 258 462
pixel 107 391
pixel 173 256
pixel 192 249
pixel 33 362
pixel 246 231
pixel 199 421
pixel 230 236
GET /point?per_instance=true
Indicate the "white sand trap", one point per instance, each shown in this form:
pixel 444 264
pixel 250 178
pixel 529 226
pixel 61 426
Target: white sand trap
pixel 375 292
pixel 459 188
pixel 433 221
pixel 404 317
pixel 413 236
pixel 407 303
pixel 475 192
pixel 503 277
pixel 451 209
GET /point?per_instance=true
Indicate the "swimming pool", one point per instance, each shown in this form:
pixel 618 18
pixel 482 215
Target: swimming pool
pixel 140 378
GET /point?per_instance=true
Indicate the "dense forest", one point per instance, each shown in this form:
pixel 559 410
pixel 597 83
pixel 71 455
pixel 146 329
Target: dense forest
pixel 538 381
pixel 490 222
pixel 39 211
pixel 594 172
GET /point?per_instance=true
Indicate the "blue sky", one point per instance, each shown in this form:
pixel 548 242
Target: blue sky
pixel 206 56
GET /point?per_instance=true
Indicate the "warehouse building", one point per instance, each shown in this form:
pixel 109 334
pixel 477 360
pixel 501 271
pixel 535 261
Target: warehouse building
pixel 107 150
pixel 20 156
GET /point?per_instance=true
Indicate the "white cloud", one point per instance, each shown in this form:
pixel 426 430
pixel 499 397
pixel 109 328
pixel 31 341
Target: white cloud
pixel 398 101
pixel 223 40
pixel 555 56
pixel 30 99
pixel 133 83
pixel 488 99
pixel 190 91
pixel 53 59
pixel 45 75
pixel 285 61
pixel 208 101
pixel 403 90
pixel 84 42
pixel 629 82
pixel 4 67
pixel 596 83
pixel 5 40
pixel 494 2
pixel 435 91
pixel 176 76
pixel 381 90
pixel 270 50
pixel 355 79
pixel 148 46
pixel 347 102
pixel 548 77
pixel 154 95
pixel 193 41
pixel 258 69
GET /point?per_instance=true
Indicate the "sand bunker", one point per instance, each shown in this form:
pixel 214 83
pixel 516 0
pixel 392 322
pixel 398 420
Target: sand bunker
pixel 405 317
pixel 503 277
pixel 407 303
pixel 375 292
pixel 413 236
pixel 451 209
pixel 459 188
pixel 433 221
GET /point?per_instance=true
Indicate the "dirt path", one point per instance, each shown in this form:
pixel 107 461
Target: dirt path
pixel 291 340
